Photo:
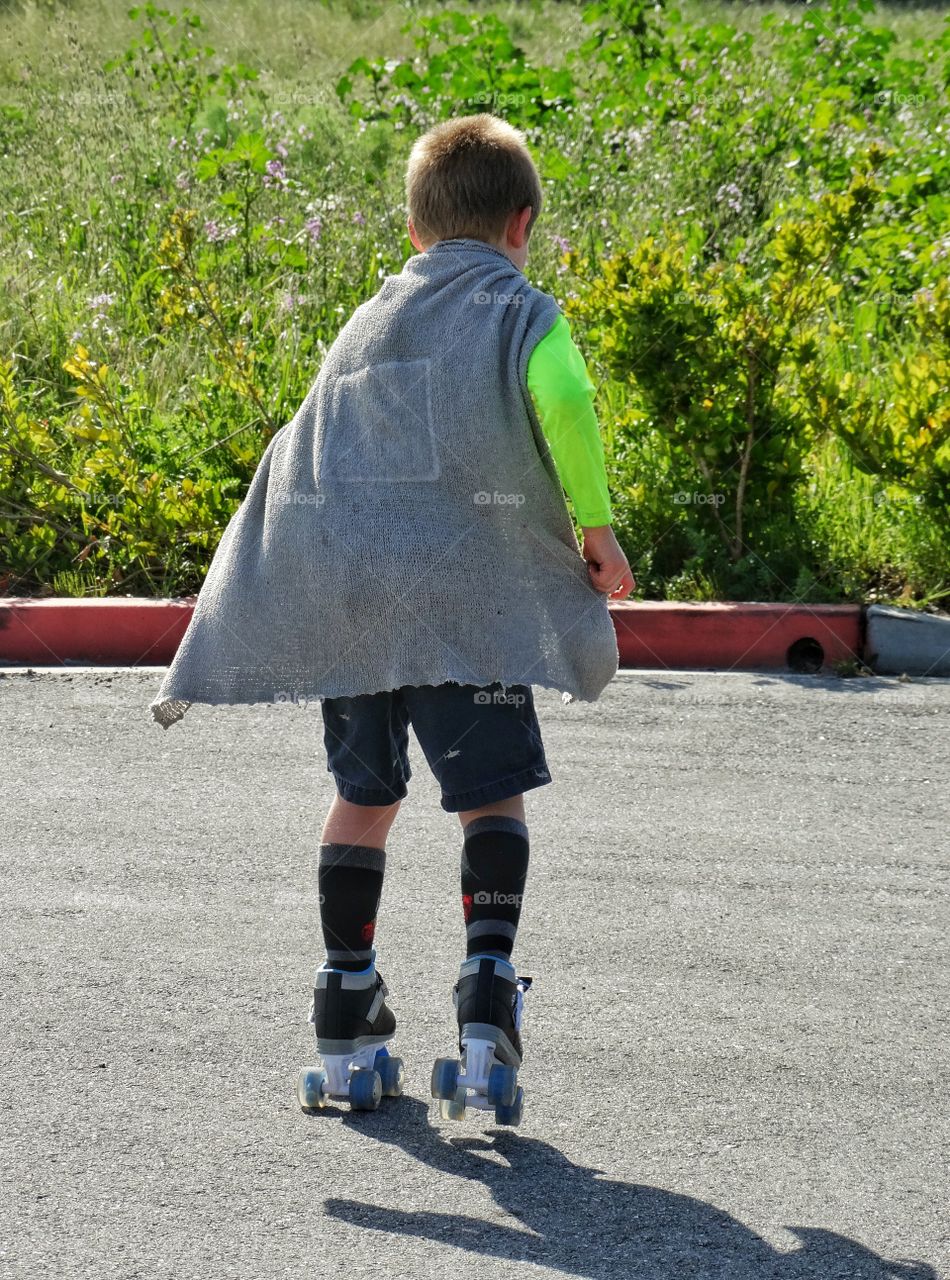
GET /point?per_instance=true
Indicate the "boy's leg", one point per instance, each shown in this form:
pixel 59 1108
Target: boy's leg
pixel 365 738
pixel 484 747
pixel 350 878
pixel 348 823
pixel 494 870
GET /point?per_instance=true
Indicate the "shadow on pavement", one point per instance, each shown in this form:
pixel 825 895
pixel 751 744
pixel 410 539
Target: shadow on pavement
pixel 835 684
pixel 579 1221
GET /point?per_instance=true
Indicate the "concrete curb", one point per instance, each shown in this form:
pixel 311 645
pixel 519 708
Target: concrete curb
pixel 905 642
pixel 125 632
pixel 737 636
pixel 652 635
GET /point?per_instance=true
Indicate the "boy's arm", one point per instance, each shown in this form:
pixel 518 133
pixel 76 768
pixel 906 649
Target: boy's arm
pixel 563 395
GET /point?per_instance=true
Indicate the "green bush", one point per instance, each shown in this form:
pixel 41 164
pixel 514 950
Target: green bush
pixel 749 227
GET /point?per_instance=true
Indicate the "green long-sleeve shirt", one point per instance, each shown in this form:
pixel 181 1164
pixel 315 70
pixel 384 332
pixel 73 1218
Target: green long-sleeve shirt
pixel 563 395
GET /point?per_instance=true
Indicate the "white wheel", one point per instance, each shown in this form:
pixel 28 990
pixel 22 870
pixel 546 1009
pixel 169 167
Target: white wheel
pixel 311 1085
pixel 453 1108
pixel 393 1075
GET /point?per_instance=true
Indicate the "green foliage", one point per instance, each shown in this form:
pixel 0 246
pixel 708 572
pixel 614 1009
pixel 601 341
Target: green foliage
pixel 748 220
pixel 113 517
pixel 464 63
pixel 713 354
pixel 896 421
pixel 167 63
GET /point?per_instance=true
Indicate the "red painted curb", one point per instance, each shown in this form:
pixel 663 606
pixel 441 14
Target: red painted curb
pixel 649 634
pixel 656 633
pixel 117 632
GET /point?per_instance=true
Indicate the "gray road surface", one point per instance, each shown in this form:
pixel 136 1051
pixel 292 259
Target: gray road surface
pixel 737 1050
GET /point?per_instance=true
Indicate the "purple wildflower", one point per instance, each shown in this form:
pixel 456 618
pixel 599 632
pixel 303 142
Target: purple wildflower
pixel 730 195
pixel 99 305
pixel 291 301
pixel 216 233
pixel 276 175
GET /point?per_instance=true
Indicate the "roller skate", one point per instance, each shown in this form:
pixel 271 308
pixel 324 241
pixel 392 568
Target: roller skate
pixel 353 1023
pixel 488 998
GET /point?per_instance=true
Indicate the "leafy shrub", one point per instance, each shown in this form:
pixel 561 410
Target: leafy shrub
pixel 750 228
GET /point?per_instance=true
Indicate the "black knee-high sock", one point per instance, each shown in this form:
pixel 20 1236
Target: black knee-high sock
pixel 350 881
pixel 494 868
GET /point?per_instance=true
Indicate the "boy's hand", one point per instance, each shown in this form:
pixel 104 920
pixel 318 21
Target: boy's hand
pixel 606 563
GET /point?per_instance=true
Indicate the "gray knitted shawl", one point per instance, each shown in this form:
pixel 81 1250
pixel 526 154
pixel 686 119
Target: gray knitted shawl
pixel 407 527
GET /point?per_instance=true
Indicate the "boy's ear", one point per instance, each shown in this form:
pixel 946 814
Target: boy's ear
pixel 517 231
pixel 417 243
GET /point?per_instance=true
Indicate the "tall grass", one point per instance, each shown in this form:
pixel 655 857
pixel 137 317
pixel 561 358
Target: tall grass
pixel 186 227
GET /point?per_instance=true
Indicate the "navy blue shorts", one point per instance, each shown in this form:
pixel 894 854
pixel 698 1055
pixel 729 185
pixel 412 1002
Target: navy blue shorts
pixel 482 744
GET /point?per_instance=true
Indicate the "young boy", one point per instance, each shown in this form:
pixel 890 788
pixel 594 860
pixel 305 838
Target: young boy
pixel 405 554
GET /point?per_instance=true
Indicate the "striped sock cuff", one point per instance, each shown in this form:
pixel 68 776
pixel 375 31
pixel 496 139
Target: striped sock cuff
pixel 336 956
pixel 495 822
pixel 492 928
pixel 364 856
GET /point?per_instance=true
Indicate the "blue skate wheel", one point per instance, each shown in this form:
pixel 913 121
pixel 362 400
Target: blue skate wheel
pixel 511 1115
pixel 445 1078
pixel 366 1089
pixel 453 1108
pixel 392 1073
pixel 502 1085
pixel 310 1086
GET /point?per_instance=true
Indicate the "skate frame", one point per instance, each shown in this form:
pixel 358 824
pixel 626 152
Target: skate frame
pixel 340 1066
pixel 478 1058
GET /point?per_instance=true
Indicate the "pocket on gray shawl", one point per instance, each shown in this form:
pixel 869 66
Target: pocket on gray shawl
pixel 379 425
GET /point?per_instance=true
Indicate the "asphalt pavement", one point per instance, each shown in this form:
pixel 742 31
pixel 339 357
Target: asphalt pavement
pixel 736 1041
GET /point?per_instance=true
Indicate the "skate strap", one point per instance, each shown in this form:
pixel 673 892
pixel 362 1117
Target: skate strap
pixel 483 990
pixel 358 980
pixel 333 1003
pixel 377 1004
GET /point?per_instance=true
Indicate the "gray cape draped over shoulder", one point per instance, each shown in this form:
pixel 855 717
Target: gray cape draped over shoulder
pixel 408 526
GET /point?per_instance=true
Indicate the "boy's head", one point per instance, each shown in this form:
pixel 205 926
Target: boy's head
pixel 473 177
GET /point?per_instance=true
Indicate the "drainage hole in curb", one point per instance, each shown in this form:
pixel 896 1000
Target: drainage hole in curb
pixel 806 656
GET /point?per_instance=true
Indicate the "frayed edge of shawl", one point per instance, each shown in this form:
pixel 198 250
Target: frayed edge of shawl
pixel 170 711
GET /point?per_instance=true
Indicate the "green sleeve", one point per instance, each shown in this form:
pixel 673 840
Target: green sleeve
pixel 563 395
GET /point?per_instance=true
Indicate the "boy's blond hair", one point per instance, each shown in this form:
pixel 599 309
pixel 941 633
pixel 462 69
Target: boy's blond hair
pixel 467 176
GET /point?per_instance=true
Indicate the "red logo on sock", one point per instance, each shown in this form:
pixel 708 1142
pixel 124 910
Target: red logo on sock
pixel 368 931
pixel 466 906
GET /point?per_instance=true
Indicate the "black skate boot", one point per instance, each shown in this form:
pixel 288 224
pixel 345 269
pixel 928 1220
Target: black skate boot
pixel 488 999
pixel 352 1022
